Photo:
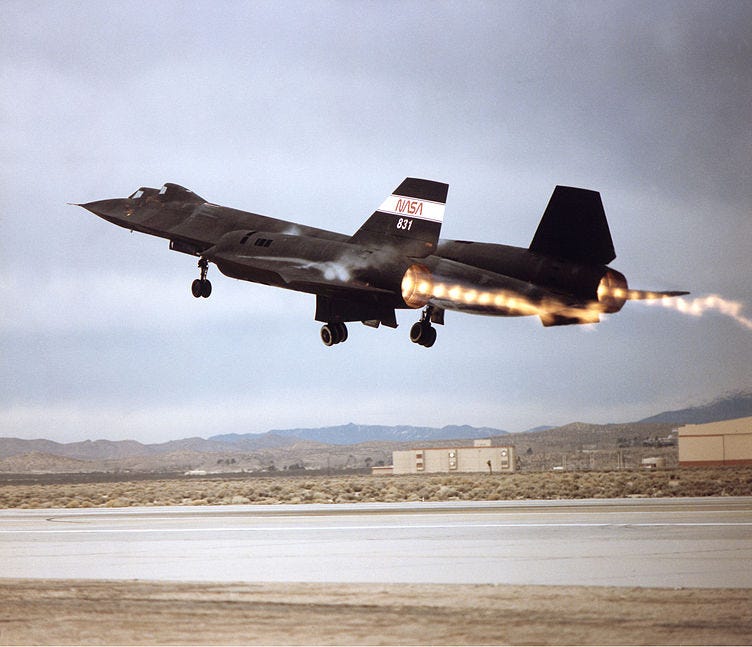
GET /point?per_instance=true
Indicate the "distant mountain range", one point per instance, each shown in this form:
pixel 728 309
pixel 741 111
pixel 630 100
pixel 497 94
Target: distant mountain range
pixel 727 407
pixel 344 445
pixel 352 434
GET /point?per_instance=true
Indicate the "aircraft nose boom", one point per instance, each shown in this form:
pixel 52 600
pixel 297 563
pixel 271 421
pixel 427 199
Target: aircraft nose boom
pixel 112 209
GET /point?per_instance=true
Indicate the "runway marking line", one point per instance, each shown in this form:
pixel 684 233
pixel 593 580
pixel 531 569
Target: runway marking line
pixel 687 524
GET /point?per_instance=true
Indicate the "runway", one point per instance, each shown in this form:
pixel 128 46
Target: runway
pixel 705 543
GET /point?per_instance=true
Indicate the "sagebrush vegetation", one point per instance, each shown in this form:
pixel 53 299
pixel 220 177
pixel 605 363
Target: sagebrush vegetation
pixel 207 490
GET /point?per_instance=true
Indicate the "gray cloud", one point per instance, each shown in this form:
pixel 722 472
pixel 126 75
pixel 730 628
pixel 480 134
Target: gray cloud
pixel 313 112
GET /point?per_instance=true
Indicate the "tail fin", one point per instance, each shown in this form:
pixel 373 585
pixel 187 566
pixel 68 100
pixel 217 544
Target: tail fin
pixel 574 228
pixel 408 220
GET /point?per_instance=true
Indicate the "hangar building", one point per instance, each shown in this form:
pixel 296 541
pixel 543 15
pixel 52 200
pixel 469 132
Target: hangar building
pixel 728 442
pixel 481 457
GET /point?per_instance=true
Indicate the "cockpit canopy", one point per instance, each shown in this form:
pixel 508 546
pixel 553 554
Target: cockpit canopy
pixel 168 193
pixel 143 192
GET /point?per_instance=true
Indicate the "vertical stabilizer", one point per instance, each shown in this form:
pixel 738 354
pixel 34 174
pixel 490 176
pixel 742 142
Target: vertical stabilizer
pixel 409 220
pixel 574 227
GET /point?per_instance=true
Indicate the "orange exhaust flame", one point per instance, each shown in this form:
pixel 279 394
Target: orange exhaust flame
pixel 419 287
pixel 416 286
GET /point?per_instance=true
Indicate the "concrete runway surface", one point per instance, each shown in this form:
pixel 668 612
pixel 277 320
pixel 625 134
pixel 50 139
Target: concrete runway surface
pixel 698 543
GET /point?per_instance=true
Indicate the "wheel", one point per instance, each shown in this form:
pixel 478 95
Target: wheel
pixel 206 288
pixel 423 333
pixel 327 335
pixel 196 288
pixel 416 332
pixel 333 333
pixel 341 332
pixel 429 337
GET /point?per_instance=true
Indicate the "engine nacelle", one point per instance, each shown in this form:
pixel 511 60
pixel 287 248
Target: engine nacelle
pixel 613 291
pixel 417 284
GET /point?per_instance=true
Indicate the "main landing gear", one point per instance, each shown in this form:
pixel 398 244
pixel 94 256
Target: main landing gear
pixel 333 333
pixel 422 332
pixel 202 287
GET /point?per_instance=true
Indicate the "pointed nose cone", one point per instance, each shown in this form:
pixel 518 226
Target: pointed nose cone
pixel 113 209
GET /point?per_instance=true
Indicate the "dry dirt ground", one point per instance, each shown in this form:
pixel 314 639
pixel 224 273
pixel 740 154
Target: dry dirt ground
pixel 59 612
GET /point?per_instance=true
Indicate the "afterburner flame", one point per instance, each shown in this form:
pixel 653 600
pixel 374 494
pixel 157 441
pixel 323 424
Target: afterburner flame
pixel 703 305
pixel 501 302
pixel 613 292
pixel 417 286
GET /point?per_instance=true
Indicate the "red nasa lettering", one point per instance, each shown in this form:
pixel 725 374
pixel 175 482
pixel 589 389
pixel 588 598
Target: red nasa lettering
pixel 412 207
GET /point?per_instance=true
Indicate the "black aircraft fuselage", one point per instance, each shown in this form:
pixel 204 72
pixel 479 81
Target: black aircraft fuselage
pixel 396 259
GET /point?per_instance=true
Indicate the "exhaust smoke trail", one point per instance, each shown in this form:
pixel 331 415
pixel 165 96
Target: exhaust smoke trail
pixel 703 305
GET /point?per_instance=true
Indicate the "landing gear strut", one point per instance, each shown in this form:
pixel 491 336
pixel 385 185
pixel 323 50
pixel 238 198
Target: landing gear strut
pixel 333 333
pixel 202 287
pixel 422 332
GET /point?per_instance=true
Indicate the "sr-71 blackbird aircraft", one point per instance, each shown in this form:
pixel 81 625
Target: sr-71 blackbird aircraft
pixel 396 259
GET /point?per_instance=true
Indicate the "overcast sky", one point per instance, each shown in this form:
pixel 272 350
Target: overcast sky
pixel 314 112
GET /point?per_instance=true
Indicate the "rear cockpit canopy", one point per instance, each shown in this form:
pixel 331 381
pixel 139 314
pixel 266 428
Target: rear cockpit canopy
pixel 168 193
pixel 143 192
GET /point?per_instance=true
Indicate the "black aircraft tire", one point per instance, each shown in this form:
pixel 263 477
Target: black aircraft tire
pixel 196 288
pixel 341 332
pixel 416 332
pixel 327 335
pixel 206 289
pixel 429 337
pixel 423 333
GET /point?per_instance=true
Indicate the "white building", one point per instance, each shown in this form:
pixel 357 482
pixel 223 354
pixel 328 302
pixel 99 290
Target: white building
pixel 728 442
pixel 481 457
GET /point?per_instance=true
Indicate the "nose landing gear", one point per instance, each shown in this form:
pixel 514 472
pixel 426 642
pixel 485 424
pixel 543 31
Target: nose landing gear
pixel 333 333
pixel 202 287
pixel 422 332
